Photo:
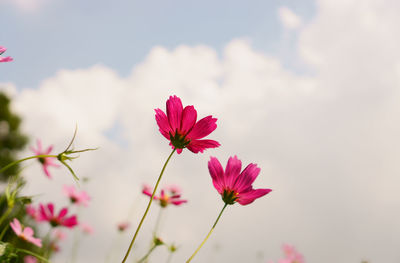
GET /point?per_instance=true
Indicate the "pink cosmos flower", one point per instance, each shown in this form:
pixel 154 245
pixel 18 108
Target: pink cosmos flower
pixel 30 259
pixel 75 197
pixel 291 255
pixel 46 213
pixel 233 185
pixel 179 126
pixel 123 226
pixel 168 195
pixel 25 233
pixel 32 212
pixel 86 228
pixel 46 161
pixel 4 59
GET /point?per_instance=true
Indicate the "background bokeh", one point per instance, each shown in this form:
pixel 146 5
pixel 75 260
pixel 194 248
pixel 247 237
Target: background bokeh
pixel 308 90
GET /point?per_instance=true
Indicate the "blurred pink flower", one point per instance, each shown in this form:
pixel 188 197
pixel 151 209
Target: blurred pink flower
pixel 45 161
pixel 179 126
pixel 59 234
pixel 25 233
pixel 78 198
pixel 168 195
pixel 233 185
pixel 123 226
pixel 46 213
pixel 86 228
pixel 291 255
pixel 4 59
pixel 30 259
pixel 32 212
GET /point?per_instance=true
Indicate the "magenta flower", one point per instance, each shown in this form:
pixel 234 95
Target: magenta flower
pixel 168 195
pixel 46 213
pixel 32 212
pixel 4 59
pixel 233 185
pixel 25 233
pixel 179 126
pixel 78 198
pixel 45 161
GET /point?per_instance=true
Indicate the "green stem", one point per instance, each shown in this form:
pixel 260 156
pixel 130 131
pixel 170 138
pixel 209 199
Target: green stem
pixel 147 255
pixel 5 215
pixel 4 232
pixel 148 207
pixel 32 254
pixel 24 159
pixel 209 233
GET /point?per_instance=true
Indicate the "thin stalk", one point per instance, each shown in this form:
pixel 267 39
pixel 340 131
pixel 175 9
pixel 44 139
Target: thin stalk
pixel 209 233
pixel 6 214
pixel 32 254
pixel 147 254
pixel 4 231
pixel 24 159
pixel 148 207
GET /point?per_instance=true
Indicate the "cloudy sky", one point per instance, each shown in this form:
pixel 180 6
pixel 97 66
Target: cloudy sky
pixel 308 90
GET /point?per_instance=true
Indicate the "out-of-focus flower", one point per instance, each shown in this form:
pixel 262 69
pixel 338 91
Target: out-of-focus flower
pixel 32 212
pixel 86 228
pixel 45 161
pixel 46 213
pixel 4 59
pixel 30 259
pixel 233 185
pixel 25 233
pixel 123 226
pixel 168 195
pixel 291 255
pixel 78 198
pixel 179 126
pixel 59 234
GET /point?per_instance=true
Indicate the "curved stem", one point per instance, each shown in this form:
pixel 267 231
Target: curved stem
pixel 208 235
pixel 32 254
pixel 148 206
pixel 24 159
pixel 6 214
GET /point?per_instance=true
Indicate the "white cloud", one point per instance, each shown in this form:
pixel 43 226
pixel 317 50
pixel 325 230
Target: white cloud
pixel 327 144
pixel 288 18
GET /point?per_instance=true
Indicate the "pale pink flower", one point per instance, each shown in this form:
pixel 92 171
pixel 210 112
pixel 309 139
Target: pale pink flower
pixel 123 226
pixel 45 161
pixel 30 259
pixel 25 233
pixel 179 126
pixel 168 195
pixel 59 235
pixel 86 228
pixel 4 59
pixel 46 213
pixel 32 212
pixel 78 198
pixel 291 255
pixel 233 185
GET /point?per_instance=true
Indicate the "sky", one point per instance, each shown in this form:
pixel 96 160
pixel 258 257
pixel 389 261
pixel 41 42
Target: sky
pixel 308 90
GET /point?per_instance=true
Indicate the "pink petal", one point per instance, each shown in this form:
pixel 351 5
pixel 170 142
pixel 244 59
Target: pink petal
pixel 35 241
pixel 189 116
pixel 217 174
pixel 16 226
pixel 49 149
pixel 248 197
pixel 179 202
pixel 70 222
pixel 163 124
pixel 196 146
pixel 63 212
pixel 203 128
pixel 28 232
pixel 46 171
pixel 246 178
pixel 2 49
pixel 174 112
pixel 232 171
pixel 6 59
